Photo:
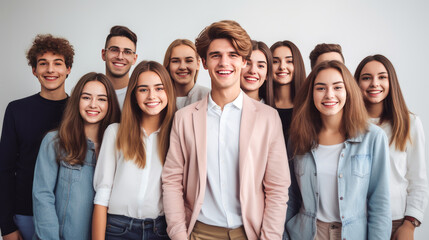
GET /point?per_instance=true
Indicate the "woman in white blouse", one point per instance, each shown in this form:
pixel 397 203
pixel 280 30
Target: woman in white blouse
pixel 386 106
pixel 127 179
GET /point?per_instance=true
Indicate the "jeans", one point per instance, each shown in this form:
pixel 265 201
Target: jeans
pixel 122 227
pixel 25 226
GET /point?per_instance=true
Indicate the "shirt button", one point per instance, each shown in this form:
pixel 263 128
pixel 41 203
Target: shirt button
pixel 341 175
pixel 341 198
pixel 342 217
pixel 315 174
pixel 342 154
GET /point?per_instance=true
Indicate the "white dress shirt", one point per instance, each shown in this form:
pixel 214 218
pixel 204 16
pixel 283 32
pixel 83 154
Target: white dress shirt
pixel 120 94
pixel 221 206
pixel 122 186
pixel 408 180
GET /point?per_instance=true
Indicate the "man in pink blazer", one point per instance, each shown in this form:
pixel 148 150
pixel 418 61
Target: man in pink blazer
pixel 226 174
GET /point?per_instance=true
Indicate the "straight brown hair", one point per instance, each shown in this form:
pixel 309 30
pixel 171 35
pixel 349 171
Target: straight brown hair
pixel 72 147
pixel 395 110
pixel 130 137
pixel 307 123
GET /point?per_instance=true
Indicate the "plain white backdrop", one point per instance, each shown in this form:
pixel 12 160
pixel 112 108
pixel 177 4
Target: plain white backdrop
pixel 397 29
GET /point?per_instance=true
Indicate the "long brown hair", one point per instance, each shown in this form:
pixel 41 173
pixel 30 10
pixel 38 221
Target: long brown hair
pixel 72 147
pixel 298 64
pixel 175 43
pixel 267 88
pixel 307 123
pixel 395 111
pixel 130 139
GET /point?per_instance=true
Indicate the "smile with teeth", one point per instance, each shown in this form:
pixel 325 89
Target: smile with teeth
pixel 183 74
pixel 51 78
pixel 224 72
pixel 282 74
pixel 152 104
pixel 92 113
pixel 329 104
pixel 374 92
pixel 119 64
pixel 251 79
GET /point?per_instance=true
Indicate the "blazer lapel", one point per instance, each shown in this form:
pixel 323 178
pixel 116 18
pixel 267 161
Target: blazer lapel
pixel 199 118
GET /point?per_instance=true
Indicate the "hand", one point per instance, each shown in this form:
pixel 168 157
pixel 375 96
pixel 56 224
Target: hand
pixel 13 236
pixel 404 232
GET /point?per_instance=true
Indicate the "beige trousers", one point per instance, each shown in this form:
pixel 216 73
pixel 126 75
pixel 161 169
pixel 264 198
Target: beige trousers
pixel 328 231
pixel 203 231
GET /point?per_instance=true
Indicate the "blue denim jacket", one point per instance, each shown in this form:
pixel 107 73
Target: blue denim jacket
pixel 62 194
pixel 363 190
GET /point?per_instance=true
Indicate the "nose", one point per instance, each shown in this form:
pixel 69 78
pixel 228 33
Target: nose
pixel 182 65
pixel 151 94
pixel 51 67
pixel 224 61
pixel 282 65
pixel 92 104
pixel 329 93
pixel 374 82
pixel 252 68
pixel 120 54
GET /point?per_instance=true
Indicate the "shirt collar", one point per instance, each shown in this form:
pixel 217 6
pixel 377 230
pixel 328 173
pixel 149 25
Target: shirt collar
pixel 238 101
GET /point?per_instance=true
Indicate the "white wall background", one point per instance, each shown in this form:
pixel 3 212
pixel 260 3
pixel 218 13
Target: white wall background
pixel 398 29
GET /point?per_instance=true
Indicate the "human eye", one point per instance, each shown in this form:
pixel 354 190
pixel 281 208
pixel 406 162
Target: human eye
pixel 114 49
pixel 383 77
pixel 365 78
pixel 234 55
pixel 102 99
pixel 189 60
pixel 338 87
pixel 85 97
pixel 275 61
pixel 262 66
pixel 320 88
pixel 161 88
pixel 128 52
pixel 174 61
pixel 289 61
pixel 142 90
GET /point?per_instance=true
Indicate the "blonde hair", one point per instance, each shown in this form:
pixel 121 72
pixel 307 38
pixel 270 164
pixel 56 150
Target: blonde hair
pixel 176 43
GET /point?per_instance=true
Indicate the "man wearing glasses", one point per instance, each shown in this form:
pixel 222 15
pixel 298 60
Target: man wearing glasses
pixel 119 53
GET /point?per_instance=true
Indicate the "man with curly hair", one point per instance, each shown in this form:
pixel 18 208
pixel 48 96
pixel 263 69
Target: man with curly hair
pixel 119 53
pixel 26 121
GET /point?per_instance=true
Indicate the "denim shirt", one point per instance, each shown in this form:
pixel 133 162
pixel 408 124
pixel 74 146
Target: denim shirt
pixel 62 194
pixel 363 190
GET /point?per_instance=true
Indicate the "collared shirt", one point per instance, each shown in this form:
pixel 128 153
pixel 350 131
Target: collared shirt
pixel 363 190
pixel 122 186
pixel 221 206
pixel 196 94
pixel 408 180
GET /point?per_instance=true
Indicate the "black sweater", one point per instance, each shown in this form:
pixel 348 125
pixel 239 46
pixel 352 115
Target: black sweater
pixel 26 121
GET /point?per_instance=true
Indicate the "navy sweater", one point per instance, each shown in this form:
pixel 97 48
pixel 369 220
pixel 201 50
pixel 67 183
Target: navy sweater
pixel 26 121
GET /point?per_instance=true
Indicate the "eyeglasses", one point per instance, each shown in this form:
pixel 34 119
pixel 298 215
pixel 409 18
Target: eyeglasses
pixel 116 51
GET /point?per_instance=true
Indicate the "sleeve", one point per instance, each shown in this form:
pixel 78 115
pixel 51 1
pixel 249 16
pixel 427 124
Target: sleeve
pixel 106 167
pixel 172 185
pixel 8 158
pixel 45 180
pixel 417 198
pixel 276 183
pixel 378 197
pixel 295 198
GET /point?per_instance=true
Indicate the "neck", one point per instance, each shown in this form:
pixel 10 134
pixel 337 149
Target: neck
pixel 282 96
pixel 91 132
pixel 55 95
pixel 224 96
pixel 253 94
pixel 118 82
pixel 151 123
pixel 183 90
pixel 331 132
pixel 374 109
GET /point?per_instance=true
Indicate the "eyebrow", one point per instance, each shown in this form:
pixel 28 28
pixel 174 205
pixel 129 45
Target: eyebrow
pixel 285 57
pixel 262 62
pixel 143 85
pixel 100 95
pixel 44 59
pixel 324 84
pixel 179 58
pixel 120 48
pixel 363 74
pixel 217 52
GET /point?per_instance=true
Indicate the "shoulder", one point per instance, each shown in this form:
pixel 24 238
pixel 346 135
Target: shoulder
pixel 112 129
pixel 201 90
pixel 24 101
pixel 50 138
pixel 189 109
pixel 261 108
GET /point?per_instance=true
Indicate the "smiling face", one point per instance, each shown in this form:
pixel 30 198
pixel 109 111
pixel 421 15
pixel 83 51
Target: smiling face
pixel 224 65
pixel 93 103
pixel 150 94
pixel 283 67
pixel 329 93
pixel 51 71
pixel 255 72
pixel 184 65
pixel 374 82
pixel 118 64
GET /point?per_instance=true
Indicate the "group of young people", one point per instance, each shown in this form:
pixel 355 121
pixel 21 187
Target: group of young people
pixel 267 153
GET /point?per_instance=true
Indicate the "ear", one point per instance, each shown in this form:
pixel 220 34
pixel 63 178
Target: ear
pixel 135 59
pixel 204 63
pixel 68 70
pixel 34 71
pixel 198 64
pixel 103 54
pixel 244 63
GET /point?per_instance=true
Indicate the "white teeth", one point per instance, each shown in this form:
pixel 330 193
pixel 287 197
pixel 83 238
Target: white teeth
pixel 251 79
pixel 119 64
pixel 182 74
pixel 282 74
pixel 51 78
pixel 152 104
pixel 92 112
pixel 225 72
pixel 329 104
pixel 375 92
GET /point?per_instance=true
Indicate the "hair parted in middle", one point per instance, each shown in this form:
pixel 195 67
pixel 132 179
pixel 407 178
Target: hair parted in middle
pixel 71 147
pixel 266 91
pixel 298 64
pixel 307 123
pixel 129 138
pixel 175 43
pixel 395 110
pixel 227 29
pixel 324 48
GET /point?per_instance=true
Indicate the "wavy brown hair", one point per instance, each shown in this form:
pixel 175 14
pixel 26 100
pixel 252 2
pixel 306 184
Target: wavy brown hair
pixel 44 43
pixel 227 29
pixel 71 145
pixel 298 64
pixel 175 43
pixel 267 88
pixel 324 48
pixel 395 110
pixel 307 123
pixel 130 136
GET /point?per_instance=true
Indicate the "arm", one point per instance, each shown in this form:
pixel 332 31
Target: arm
pixel 378 196
pixel 295 198
pixel 99 220
pixel 172 185
pixel 13 236
pixel 276 183
pixel 45 180
pixel 8 158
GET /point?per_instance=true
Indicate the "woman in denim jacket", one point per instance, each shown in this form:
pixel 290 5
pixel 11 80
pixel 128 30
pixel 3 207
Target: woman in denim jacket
pixel 62 187
pixel 341 162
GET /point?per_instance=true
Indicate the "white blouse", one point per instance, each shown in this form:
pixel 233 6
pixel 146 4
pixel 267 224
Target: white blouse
pixel 122 186
pixel 408 180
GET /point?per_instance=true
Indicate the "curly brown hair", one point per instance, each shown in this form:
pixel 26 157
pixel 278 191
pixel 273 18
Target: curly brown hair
pixel 44 43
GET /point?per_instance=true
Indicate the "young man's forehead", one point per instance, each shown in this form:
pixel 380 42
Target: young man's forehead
pixel 121 42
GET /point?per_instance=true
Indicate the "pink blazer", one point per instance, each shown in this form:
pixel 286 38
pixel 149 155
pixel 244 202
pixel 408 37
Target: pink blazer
pixel 263 169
